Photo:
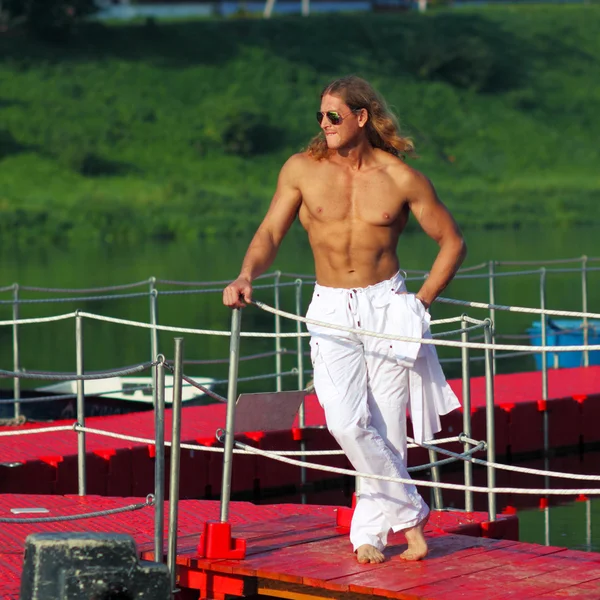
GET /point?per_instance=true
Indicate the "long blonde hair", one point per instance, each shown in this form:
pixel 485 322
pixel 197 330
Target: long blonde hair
pixel 383 130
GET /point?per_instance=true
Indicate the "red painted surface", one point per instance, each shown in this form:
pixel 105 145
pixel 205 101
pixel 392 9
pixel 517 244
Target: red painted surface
pixel 267 530
pixel 301 544
pixel 216 541
pixel 118 467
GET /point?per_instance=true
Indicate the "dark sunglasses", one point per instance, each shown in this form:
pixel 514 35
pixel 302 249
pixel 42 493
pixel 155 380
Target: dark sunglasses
pixel 333 116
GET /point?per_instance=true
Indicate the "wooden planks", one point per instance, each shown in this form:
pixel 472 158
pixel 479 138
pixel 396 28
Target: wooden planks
pixel 297 552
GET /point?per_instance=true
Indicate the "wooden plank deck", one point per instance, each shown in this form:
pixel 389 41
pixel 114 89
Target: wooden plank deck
pixel 298 552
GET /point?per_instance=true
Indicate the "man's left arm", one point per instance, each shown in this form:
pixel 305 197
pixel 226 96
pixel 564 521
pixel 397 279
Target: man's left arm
pixel 439 225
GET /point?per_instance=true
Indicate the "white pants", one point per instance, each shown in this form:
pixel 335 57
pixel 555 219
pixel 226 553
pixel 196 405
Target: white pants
pixel 363 387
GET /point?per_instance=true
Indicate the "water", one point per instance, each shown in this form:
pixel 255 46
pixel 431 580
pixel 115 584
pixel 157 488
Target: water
pixel 574 525
pixel 51 346
pixel 566 522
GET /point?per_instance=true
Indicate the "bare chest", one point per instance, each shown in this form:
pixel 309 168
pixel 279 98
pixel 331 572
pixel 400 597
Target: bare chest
pixel 333 195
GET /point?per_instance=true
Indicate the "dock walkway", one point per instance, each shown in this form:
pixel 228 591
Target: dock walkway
pixel 298 552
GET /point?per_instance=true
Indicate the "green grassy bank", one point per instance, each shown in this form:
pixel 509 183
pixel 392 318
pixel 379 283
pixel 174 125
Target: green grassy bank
pixel 178 129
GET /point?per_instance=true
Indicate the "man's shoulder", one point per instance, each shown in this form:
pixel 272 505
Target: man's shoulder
pixel 297 165
pixel 298 160
pixel 402 173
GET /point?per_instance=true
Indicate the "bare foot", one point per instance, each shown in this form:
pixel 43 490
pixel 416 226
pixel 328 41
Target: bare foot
pixel 417 545
pixel 368 554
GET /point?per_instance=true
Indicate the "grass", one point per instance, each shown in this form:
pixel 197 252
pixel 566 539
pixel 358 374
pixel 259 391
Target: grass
pixel 178 129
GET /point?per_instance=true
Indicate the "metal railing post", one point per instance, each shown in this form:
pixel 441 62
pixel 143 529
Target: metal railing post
pixel 16 354
pixel 300 347
pixel 278 386
pixel 159 459
pixel 268 10
pixel 584 308
pixel 489 420
pixel 300 363
pixel 81 458
pixel 466 397
pixel 492 297
pixel 234 357
pixel 438 502
pixel 545 417
pixel 175 461
pixel 153 318
pixel 544 331
pixel 588 525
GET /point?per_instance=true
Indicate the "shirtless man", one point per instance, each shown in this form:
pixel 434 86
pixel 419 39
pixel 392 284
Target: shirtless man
pixel 353 194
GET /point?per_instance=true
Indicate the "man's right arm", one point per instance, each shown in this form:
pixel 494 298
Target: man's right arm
pixel 267 239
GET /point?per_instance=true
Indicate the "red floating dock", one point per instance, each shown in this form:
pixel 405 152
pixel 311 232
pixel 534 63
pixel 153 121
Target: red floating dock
pixel 298 552
pixel 47 463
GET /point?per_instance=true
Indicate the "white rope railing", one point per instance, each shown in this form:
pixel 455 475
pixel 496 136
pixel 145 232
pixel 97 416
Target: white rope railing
pixel 513 468
pixel 520 309
pixel 39 319
pixel 432 484
pixel 282 456
pixel 431 341
pixel 294 317
pixel 34 431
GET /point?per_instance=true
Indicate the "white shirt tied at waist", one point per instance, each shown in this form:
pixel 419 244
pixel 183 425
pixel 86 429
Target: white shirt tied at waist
pixel 430 394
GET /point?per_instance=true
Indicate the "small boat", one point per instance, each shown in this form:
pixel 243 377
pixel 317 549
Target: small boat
pixel 110 396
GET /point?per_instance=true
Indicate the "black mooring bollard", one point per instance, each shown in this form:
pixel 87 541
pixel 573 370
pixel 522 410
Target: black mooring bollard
pixel 89 566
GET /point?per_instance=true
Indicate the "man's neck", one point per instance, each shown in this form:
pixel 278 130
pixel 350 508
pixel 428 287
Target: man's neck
pixel 354 157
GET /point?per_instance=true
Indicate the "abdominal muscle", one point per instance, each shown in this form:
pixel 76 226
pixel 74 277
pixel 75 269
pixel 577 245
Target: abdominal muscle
pixel 353 255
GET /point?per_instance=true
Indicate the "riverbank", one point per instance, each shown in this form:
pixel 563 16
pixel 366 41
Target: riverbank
pixel 177 130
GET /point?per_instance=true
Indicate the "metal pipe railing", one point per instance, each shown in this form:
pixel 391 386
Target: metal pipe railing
pixel 234 353
pixel 492 296
pixel 175 462
pixel 438 502
pixel 544 333
pixel 159 460
pixel 277 299
pixel 584 304
pixel 588 525
pixel 300 365
pixel 81 457
pixel 153 318
pixel 299 348
pixel 16 356
pixel 466 397
pixel 545 416
pixel 490 426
